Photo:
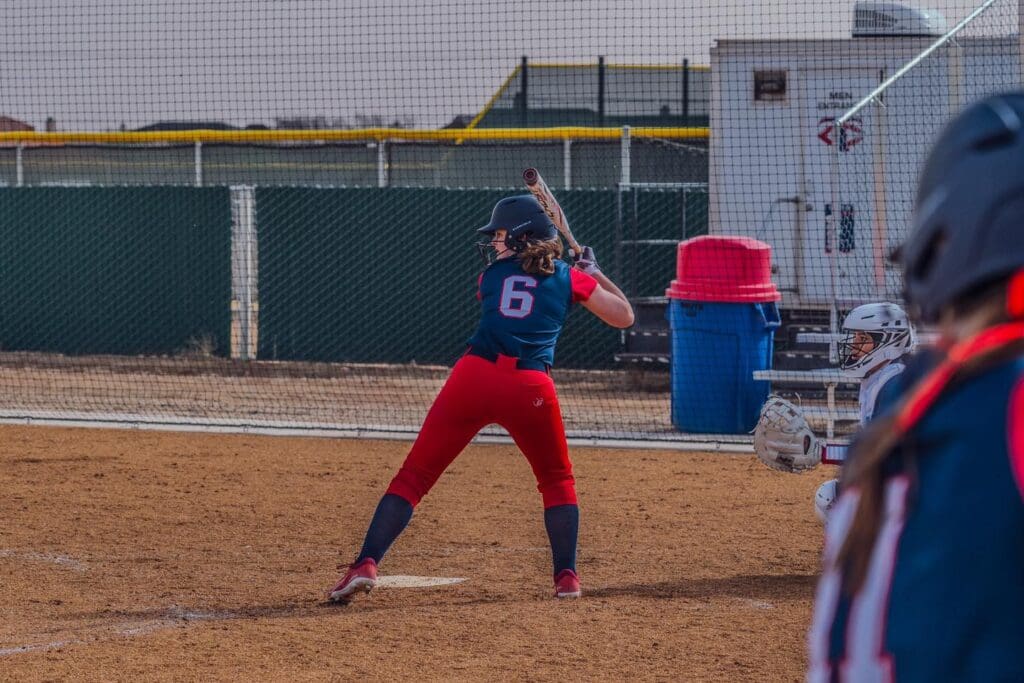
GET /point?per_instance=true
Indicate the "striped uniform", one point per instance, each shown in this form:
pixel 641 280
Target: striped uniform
pixel 944 593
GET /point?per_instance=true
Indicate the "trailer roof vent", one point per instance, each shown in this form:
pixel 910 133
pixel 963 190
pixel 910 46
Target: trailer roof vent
pixel 872 19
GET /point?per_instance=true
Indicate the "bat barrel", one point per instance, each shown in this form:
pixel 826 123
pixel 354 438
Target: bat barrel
pixel 530 176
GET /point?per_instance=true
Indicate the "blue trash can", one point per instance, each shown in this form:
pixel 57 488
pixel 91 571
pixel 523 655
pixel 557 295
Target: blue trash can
pixel 722 318
pixel 715 350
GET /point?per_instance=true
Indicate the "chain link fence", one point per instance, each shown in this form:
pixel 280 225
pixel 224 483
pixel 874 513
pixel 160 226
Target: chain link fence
pixel 336 308
pixel 280 229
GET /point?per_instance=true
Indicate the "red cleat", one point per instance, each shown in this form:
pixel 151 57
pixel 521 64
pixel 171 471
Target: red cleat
pixel 567 584
pixel 361 576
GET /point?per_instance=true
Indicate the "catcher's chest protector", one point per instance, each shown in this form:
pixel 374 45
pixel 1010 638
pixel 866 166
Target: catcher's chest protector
pixel 873 385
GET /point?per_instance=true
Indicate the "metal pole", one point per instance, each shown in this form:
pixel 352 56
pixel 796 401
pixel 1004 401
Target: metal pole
pixel 830 400
pixel 19 162
pixel 956 77
pixel 600 91
pixel 632 288
pixel 618 232
pixel 669 186
pixel 880 237
pixel 831 236
pixel 244 274
pixel 686 225
pixel 624 180
pixel 686 92
pixel 198 164
pixel 567 162
pixel 1020 40
pixel 625 159
pixel 382 163
pixel 524 111
pixel 912 63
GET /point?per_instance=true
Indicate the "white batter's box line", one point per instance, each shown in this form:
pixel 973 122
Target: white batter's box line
pixel 35 647
pixel 32 556
pixel 175 617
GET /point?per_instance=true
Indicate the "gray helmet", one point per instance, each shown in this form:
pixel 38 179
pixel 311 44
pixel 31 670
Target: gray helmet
pixel 968 229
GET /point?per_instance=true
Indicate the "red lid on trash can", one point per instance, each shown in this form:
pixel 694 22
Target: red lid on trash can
pixel 724 269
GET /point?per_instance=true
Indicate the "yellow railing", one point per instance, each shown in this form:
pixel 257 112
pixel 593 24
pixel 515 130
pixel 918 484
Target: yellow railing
pixel 365 134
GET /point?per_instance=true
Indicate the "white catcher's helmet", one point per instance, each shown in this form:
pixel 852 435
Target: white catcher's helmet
pixel 888 326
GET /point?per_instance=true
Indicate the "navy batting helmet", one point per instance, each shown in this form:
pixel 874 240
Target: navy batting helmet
pixel 523 219
pixel 968 229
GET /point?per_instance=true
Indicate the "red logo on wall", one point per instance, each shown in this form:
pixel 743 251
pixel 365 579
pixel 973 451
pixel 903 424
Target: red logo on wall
pixel 851 134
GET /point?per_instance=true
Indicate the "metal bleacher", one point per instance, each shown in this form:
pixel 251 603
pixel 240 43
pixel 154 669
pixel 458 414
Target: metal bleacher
pixel 801 371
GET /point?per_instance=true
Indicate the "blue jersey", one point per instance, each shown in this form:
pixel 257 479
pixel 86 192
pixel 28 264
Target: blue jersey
pixel 944 593
pixel 522 314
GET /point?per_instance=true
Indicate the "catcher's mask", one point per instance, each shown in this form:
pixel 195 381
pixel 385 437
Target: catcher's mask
pixel 523 220
pixel 889 329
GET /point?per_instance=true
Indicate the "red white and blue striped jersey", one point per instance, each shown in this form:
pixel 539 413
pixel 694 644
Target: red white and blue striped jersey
pixel 943 598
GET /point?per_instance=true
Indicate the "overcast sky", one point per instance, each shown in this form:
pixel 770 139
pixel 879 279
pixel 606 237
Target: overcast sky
pixel 93 64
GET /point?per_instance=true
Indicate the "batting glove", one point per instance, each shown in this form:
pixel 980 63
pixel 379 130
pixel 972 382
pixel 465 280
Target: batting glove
pixel 586 261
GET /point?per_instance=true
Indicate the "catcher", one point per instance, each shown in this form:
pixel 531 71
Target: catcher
pixel 876 336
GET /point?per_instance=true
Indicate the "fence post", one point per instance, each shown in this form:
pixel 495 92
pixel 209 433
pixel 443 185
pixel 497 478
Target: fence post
pixel 625 160
pixel 832 218
pixel 956 77
pixel 198 162
pixel 19 162
pixel 686 92
pixel 686 223
pixel 382 163
pixel 600 90
pixel 1020 39
pixel 524 110
pixel 245 305
pixel 567 162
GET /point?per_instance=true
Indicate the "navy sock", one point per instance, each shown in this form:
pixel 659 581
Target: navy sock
pixel 393 513
pixel 563 525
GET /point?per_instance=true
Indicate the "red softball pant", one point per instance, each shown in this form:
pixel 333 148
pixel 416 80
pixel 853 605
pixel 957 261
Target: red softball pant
pixel 478 393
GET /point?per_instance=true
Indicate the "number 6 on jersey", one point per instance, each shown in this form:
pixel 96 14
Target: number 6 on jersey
pixel 516 302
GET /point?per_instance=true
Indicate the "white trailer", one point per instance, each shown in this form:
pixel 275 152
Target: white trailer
pixel 774 103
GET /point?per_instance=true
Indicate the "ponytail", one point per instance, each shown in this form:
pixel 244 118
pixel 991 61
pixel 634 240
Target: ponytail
pixel 538 258
pixel 865 471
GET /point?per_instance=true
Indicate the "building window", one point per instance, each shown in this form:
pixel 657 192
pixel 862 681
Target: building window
pixel 769 86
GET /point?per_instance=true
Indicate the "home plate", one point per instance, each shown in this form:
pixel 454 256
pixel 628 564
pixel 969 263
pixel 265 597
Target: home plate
pixel 415 581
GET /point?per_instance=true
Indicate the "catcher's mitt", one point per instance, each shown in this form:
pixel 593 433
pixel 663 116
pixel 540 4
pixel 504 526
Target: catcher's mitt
pixel 782 439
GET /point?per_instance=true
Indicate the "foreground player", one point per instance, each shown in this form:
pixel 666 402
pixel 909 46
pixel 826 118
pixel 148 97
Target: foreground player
pixel 923 575
pixel 504 378
pixel 876 337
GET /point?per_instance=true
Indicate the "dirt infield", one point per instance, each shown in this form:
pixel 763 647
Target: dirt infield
pixel 128 555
